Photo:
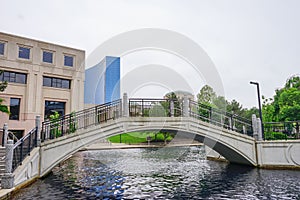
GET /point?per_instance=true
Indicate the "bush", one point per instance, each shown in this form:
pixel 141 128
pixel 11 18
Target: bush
pixel 275 136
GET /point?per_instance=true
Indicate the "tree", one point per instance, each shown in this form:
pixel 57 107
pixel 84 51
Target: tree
pixel 289 105
pixel 285 105
pixel 206 95
pixel 3 85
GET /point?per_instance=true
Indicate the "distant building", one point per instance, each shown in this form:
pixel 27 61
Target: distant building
pixel 42 78
pixel 102 82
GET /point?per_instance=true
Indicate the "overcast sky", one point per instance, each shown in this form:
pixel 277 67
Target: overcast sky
pixel 246 39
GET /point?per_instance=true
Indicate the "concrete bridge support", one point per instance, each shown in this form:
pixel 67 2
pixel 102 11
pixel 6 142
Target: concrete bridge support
pixel 7 180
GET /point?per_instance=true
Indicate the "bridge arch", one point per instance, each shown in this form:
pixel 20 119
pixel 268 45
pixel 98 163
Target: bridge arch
pixel 236 148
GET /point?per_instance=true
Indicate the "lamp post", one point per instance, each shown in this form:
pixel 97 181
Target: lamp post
pixel 259 105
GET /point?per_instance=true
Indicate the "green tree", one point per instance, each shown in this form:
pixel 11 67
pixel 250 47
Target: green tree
pixel 268 110
pixel 3 85
pixel 206 95
pixel 289 105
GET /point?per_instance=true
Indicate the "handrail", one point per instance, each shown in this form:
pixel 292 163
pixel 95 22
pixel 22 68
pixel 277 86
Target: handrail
pixel 220 118
pixel 143 107
pixel 68 124
pixel 10 135
pixel 23 147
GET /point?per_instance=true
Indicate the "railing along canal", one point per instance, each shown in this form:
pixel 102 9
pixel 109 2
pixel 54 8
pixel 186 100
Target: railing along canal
pixel 70 123
pixel 23 147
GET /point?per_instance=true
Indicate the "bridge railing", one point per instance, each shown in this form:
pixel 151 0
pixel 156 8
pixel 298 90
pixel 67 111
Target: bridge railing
pixel 68 124
pixel 23 147
pixel 220 118
pixel 140 107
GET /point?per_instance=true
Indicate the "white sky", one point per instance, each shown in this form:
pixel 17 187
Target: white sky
pixel 246 39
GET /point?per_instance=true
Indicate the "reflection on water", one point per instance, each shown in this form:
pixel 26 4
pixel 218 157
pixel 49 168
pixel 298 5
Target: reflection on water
pixel 166 173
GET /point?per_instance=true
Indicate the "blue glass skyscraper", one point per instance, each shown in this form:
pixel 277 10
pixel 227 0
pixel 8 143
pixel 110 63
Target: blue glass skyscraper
pixel 102 81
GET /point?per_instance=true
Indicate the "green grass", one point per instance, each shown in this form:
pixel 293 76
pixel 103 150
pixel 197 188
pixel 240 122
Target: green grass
pixel 138 137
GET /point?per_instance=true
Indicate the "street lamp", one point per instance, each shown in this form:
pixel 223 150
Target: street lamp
pixel 259 105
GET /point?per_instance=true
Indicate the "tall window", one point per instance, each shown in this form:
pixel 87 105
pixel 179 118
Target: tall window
pixel 24 52
pixel 68 61
pixel 14 109
pixel 52 106
pixel 47 57
pixel 2 46
pixel 13 77
pixel 56 82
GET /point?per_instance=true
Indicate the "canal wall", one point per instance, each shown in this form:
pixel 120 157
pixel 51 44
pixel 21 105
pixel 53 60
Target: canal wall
pixel 278 154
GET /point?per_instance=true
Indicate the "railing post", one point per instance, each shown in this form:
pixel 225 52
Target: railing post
pixel 185 106
pixel 7 179
pixel 244 130
pixel 5 134
pixel 254 127
pixel 232 121
pixel 259 129
pixel 125 105
pixel 38 130
pixel 172 108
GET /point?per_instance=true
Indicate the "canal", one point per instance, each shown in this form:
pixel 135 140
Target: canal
pixel 159 173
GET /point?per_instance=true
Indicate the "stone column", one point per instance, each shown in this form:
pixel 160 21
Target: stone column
pixel 172 108
pixel 259 129
pixel 125 105
pixel 5 134
pixel 38 129
pixel 7 179
pixel 254 127
pixel 185 106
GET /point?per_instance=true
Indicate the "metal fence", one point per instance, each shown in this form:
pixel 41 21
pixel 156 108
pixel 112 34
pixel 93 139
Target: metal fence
pixel 281 130
pixel 220 118
pixel 70 123
pixel 139 107
pixel 23 147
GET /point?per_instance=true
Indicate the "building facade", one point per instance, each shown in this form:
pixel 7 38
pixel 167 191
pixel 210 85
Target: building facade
pixel 42 78
pixel 102 82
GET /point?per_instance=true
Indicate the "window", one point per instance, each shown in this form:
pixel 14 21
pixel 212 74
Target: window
pixel 52 106
pixel 56 82
pixel 24 52
pixel 13 77
pixel 47 57
pixel 2 46
pixel 68 60
pixel 14 109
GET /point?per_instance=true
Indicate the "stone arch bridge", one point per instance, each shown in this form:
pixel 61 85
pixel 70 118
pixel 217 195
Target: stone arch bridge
pixel 235 138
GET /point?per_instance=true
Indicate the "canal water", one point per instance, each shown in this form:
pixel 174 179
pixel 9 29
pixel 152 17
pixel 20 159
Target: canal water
pixel 159 173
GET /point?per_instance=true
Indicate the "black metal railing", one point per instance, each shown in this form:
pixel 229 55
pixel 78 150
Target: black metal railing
pixel 154 107
pixel 23 147
pixel 220 118
pixel 70 123
pixel 281 130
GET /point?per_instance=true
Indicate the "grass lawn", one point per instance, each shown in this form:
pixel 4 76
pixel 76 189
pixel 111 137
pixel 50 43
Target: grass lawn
pixel 138 137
